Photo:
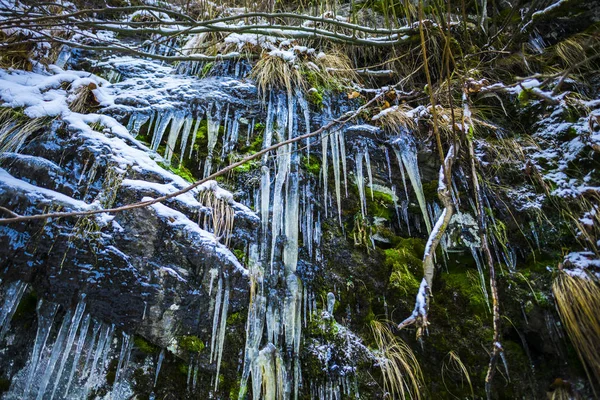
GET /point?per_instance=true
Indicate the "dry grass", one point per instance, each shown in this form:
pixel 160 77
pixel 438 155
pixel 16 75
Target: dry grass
pixel 578 302
pixel 398 119
pixel 336 66
pixel 15 129
pixel 328 72
pixel 402 375
pixel 221 217
pixel 453 366
pixel 272 72
pixel 83 99
pixel 207 43
pixel 15 52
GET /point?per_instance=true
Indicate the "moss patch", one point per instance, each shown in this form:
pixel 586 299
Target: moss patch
pixel 145 346
pixel 191 343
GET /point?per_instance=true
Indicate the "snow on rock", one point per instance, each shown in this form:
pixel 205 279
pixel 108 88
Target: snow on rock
pixel 190 228
pixel 581 263
pixel 40 195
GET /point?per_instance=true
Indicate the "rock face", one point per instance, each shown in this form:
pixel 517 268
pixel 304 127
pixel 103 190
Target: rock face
pixel 270 282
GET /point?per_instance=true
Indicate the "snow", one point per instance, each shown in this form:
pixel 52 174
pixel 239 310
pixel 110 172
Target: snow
pixel 38 194
pixel 580 263
pixel 183 223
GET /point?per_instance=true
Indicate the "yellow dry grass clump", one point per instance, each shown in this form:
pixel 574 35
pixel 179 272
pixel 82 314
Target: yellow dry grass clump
pixel 578 304
pixel 221 217
pixel 327 71
pixel 402 375
pixel 15 129
pixel 272 72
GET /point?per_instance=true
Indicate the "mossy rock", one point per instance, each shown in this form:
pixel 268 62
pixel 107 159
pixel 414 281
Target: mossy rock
pixel 405 260
pixel 145 346
pixel 191 343
pixel 311 164
pixel 467 284
pixel 379 204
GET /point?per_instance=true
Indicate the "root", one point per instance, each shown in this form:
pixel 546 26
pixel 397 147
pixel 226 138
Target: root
pixel 419 314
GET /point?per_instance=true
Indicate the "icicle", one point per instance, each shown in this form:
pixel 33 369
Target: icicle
pixel 45 318
pixel 283 167
pixel 136 122
pixel 214 122
pixel 250 132
pixel 342 148
pixel 104 337
pixel 194 134
pixel 66 352
pixel 185 134
pixel 265 182
pixel 324 138
pixel 406 151
pixel 12 298
pixel 57 349
pixel 222 330
pixel 335 160
pixel 330 303
pixel 360 183
pixel 387 161
pixel 161 357
pixel 215 323
pixel 159 129
pixel 368 163
pixel 78 350
pixel 124 354
pixel 475 254
pixel 95 330
pixel 176 125
pixel 256 318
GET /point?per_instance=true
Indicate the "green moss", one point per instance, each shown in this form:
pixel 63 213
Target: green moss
pixel 235 389
pixel 257 141
pixel 430 190
pixel 315 97
pixel 381 205
pixel 206 69
pixel 191 343
pixel 183 368
pixel 311 164
pixel 246 167
pixel 236 318
pixel 467 284
pixel 181 171
pixel 523 98
pixel 145 346
pixel 239 254
pixel 405 259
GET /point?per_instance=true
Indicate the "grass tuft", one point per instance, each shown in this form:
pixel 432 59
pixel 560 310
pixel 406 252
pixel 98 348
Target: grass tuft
pixel 402 375
pixel 16 128
pixel 578 302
